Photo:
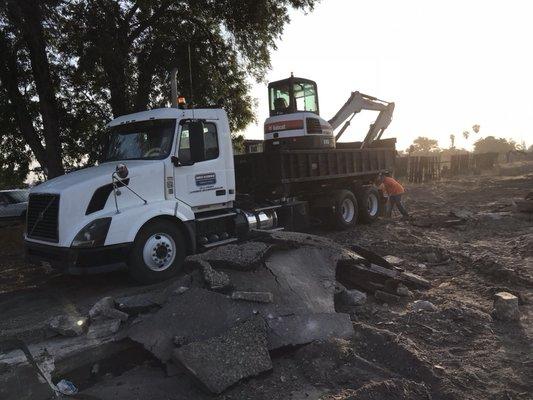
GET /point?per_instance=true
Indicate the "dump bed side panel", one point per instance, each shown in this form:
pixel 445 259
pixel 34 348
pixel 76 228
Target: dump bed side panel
pixel 284 173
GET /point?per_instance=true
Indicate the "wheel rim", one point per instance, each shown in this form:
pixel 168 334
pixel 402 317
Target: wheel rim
pixel 159 252
pixel 372 204
pixel 348 210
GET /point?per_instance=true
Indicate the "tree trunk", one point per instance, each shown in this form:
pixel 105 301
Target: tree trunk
pixel 146 68
pixel 27 17
pixel 10 79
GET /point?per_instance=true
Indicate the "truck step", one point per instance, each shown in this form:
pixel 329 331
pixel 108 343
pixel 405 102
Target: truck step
pixel 268 230
pixel 217 216
pixel 256 210
pixel 219 243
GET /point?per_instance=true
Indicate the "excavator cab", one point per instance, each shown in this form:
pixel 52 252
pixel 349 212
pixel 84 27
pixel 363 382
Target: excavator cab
pixel 293 95
pixel 294 121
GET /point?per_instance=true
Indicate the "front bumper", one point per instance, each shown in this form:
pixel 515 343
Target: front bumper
pixel 79 261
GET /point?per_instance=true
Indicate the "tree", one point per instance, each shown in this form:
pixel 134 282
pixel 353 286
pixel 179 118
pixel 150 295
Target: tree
pixel 424 145
pixel 476 128
pixel 452 141
pixel 492 145
pixel 68 67
pixel 466 135
pixel 25 73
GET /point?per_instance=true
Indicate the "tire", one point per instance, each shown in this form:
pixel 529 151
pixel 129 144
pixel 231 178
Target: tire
pixel 346 213
pixel 157 253
pixel 370 203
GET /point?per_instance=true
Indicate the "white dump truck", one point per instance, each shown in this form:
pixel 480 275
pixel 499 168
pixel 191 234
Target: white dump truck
pixel 170 185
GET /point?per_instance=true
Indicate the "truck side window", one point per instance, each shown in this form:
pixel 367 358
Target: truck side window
pixel 210 143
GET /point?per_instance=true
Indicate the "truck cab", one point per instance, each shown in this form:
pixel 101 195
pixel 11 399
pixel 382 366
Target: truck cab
pixel 163 170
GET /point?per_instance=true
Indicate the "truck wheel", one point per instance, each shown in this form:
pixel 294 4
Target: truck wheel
pixel 158 252
pixel 369 204
pixel 346 210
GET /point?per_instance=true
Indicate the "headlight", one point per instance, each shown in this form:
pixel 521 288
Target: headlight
pixel 93 234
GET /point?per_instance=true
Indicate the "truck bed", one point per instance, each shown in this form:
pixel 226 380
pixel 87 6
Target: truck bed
pixel 293 172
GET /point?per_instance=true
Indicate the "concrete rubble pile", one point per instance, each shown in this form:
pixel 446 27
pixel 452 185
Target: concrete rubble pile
pixel 221 320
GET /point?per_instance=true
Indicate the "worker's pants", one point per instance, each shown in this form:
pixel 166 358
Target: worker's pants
pixel 396 200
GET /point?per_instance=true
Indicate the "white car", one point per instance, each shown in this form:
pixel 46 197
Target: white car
pixel 13 204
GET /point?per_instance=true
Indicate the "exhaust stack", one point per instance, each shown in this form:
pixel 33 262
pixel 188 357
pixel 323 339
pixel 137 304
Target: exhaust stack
pixel 174 87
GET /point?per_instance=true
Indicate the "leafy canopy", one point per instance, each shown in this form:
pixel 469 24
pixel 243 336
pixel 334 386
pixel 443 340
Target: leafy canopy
pixel 424 145
pixel 490 144
pixel 67 68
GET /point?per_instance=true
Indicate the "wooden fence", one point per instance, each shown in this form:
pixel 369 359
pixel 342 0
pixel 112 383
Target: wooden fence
pixel 461 164
pixel 429 168
pixel 418 169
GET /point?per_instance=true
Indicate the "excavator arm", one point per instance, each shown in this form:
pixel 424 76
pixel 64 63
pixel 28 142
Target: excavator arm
pixel 355 104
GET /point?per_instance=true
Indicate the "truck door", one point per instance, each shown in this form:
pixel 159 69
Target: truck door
pixel 200 176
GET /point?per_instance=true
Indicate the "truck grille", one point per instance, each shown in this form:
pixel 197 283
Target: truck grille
pixel 42 216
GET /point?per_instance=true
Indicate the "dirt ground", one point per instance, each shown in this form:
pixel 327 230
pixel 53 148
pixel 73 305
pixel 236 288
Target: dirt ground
pixel 456 352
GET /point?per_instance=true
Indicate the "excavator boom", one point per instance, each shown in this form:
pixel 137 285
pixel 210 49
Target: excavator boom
pixel 355 104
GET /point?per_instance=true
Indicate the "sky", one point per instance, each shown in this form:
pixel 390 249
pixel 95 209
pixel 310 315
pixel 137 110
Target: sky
pixel 447 65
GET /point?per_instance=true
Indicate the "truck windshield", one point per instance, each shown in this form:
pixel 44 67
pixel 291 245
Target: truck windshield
pixel 19 196
pixel 145 140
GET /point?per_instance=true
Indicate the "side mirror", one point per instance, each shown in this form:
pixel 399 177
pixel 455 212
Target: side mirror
pixel 196 140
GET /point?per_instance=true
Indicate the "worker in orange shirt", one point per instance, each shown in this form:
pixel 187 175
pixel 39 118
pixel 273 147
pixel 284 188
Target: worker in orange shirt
pixel 394 190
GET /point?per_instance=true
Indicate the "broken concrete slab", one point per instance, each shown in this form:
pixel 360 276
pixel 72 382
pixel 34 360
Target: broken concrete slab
pixel 403 291
pixel 294 330
pixel 105 308
pixel 351 297
pixel 58 356
pixel 222 361
pixel 301 280
pixel 215 280
pixel 103 328
pixel 506 307
pixel 260 297
pixel 286 239
pixel 242 256
pixel 196 315
pixel 304 279
pixel 137 304
pixel 23 383
pixel 68 325
pixel 393 260
pixel 423 305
